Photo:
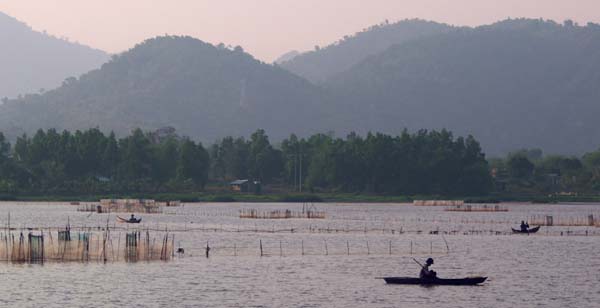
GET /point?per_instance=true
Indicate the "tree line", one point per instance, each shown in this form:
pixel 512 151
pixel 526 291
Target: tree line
pixel 86 162
pixel 424 162
pixel 530 171
pixel 92 162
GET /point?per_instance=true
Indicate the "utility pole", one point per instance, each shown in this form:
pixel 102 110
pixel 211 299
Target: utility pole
pixel 295 172
pixel 300 173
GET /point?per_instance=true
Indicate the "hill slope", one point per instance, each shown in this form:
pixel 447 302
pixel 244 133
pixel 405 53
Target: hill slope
pixel 201 90
pixel 31 61
pixel 319 65
pixel 513 84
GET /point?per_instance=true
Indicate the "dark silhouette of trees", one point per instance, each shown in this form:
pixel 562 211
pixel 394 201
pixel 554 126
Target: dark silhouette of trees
pixel 424 162
pixel 421 163
pixel 520 167
pixel 92 162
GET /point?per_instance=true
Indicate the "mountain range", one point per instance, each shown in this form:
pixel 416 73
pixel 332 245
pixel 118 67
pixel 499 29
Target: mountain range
pixel 323 63
pixel 513 84
pixel 33 62
pixel 203 91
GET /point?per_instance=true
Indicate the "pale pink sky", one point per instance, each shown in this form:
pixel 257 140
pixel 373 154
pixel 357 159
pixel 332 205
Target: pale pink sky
pixel 266 28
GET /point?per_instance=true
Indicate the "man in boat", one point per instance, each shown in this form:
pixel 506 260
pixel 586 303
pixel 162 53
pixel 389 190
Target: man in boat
pixel 132 218
pixel 524 226
pixel 426 273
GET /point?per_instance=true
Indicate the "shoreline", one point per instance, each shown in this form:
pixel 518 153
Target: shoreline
pixel 302 198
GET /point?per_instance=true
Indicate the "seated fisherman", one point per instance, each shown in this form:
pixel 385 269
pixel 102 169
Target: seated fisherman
pixel 132 218
pixel 524 226
pixel 426 273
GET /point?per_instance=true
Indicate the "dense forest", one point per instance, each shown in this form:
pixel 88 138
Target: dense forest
pixel 33 62
pixel 420 163
pixel 87 162
pixel 92 162
pixel 530 172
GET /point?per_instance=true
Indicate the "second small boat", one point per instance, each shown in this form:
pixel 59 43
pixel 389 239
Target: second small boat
pixel 129 221
pixel 528 231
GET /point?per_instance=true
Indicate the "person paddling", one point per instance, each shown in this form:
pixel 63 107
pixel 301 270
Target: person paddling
pixel 426 273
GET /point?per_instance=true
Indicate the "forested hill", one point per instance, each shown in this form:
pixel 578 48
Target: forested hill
pixel 513 84
pixel 323 63
pixel 204 91
pixel 32 61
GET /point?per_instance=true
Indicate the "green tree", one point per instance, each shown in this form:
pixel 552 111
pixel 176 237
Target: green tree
pixel 193 163
pixel 591 162
pixel 110 156
pixel 519 167
pixel 135 160
pixel 264 162
pixel 4 149
pixel 167 154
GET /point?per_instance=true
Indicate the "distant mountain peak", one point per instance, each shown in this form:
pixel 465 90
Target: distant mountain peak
pixel 324 62
pixel 32 61
pixel 513 84
pixel 287 56
pixel 199 89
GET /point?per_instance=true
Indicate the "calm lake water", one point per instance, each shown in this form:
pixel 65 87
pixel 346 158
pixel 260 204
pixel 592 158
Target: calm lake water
pixel 330 262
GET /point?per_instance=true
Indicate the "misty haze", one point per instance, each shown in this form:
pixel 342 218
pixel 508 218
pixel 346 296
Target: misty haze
pixel 300 153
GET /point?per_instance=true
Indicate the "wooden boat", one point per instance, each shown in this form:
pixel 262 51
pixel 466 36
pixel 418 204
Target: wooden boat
pixel 468 281
pixel 129 221
pixel 532 230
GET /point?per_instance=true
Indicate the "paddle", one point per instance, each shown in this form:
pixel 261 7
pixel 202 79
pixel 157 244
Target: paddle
pixel 413 260
pixel 421 265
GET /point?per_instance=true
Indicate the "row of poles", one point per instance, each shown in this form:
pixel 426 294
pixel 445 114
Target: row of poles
pixel 263 250
pixel 555 230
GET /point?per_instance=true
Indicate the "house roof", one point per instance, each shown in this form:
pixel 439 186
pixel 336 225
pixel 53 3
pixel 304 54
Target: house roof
pixel 238 182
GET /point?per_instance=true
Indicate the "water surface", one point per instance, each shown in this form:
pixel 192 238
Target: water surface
pixel 323 263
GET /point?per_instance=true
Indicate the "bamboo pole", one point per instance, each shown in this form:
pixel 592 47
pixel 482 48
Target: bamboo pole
pixel 118 245
pixel 261 248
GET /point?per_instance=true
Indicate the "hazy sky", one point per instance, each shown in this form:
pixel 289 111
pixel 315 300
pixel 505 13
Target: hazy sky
pixel 266 28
